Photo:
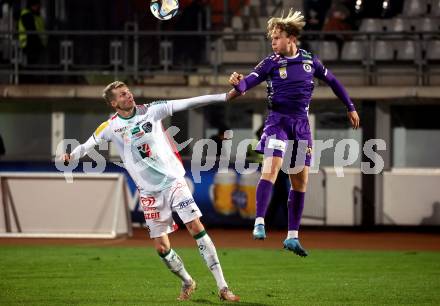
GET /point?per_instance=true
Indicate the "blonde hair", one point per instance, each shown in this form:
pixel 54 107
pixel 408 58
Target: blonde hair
pixel 292 24
pixel 107 93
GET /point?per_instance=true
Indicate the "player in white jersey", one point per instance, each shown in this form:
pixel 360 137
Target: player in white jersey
pixel 136 131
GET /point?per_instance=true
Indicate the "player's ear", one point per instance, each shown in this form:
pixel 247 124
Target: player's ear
pixel 293 39
pixel 113 103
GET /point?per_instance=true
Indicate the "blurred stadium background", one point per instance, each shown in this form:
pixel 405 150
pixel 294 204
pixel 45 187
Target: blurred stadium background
pixel 386 53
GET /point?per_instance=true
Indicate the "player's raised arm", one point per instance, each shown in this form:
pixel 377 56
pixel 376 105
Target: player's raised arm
pixel 327 76
pixel 80 151
pixel 162 109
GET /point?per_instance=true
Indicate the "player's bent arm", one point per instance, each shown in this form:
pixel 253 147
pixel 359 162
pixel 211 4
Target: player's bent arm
pixel 339 90
pixel 327 76
pixel 248 82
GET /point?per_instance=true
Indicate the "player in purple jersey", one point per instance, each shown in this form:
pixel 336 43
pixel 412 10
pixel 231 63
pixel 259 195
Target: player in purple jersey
pixel 289 74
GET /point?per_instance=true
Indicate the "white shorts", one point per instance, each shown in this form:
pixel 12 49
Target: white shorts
pixel 158 208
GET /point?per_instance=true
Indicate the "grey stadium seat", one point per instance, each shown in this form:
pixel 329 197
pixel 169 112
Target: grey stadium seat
pixel 426 24
pixel 398 25
pixel 353 51
pixel 435 8
pixel 433 50
pixel 406 50
pixel 383 50
pixel 414 8
pixel 328 50
pixel 371 25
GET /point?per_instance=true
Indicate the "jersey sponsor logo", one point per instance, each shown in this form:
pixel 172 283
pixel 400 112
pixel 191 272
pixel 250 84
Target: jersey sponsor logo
pixel 276 144
pixel 307 62
pixel 158 102
pixel 307 68
pixel 144 150
pixel 146 208
pixel 306 54
pixel 147 201
pixel 185 203
pixel 136 132
pixel 139 122
pixel 282 62
pixel 283 72
pixel 120 130
pixel 147 127
pixel 101 128
pixel 152 215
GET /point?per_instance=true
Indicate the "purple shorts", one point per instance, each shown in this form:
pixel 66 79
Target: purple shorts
pixel 286 136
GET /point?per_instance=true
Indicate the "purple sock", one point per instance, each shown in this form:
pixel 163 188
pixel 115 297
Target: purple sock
pixel 295 206
pixel 264 193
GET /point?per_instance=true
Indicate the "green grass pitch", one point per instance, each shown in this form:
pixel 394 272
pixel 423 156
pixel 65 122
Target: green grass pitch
pixel 68 275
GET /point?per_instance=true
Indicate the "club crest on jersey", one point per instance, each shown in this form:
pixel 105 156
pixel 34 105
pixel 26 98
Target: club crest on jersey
pixel 147 127
pixel 307 68
pixel 283 72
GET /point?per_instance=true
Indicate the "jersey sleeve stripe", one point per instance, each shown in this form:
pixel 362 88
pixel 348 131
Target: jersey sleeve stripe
pixel 101 128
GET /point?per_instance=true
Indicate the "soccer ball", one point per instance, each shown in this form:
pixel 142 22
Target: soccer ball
pixel 164 9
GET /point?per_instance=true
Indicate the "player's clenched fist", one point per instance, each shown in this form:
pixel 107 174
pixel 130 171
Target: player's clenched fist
pixel 235 78
pixel 65 158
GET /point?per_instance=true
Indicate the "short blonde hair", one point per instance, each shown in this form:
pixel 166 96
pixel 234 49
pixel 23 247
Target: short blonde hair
pixel 292 24
pixel 107 93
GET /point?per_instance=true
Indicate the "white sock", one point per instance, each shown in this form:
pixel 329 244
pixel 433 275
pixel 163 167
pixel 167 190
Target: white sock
pixel 209 254
pixel 259 220
pixel 175 264
pixel 292 234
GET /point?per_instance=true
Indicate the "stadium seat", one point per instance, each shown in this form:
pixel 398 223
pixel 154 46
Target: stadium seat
pixel 237 23
pixel 383 50
pixel 426 24
pixel 399 25
pixel 249 45
pixel 353 51
pixel 406 50
pixel 328 50
pixel 371 25
pixel 435 8
pixel 414 8
pixel 433 50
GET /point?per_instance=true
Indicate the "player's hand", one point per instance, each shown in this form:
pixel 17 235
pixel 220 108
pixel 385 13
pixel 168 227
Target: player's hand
pixel 232 94
pixel 354 119
pixel 66 159
pixel 235 78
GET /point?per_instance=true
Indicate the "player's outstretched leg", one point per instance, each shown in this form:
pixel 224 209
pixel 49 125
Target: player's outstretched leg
pixel 295 206
pixel 175 264
pixel 263 195
pixel 209 254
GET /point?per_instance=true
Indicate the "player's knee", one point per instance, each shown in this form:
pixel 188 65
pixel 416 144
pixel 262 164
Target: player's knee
pixel 194 226
pixel 162 249
pixel 269 176
pixel 300 184
pixel 161 246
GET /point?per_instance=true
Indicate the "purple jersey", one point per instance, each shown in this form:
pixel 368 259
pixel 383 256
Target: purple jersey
pixel 290 82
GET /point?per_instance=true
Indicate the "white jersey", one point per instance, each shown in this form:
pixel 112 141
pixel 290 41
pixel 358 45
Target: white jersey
pixel 143 144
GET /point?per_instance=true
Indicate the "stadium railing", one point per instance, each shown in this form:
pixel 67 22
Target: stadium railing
pixel 139 55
